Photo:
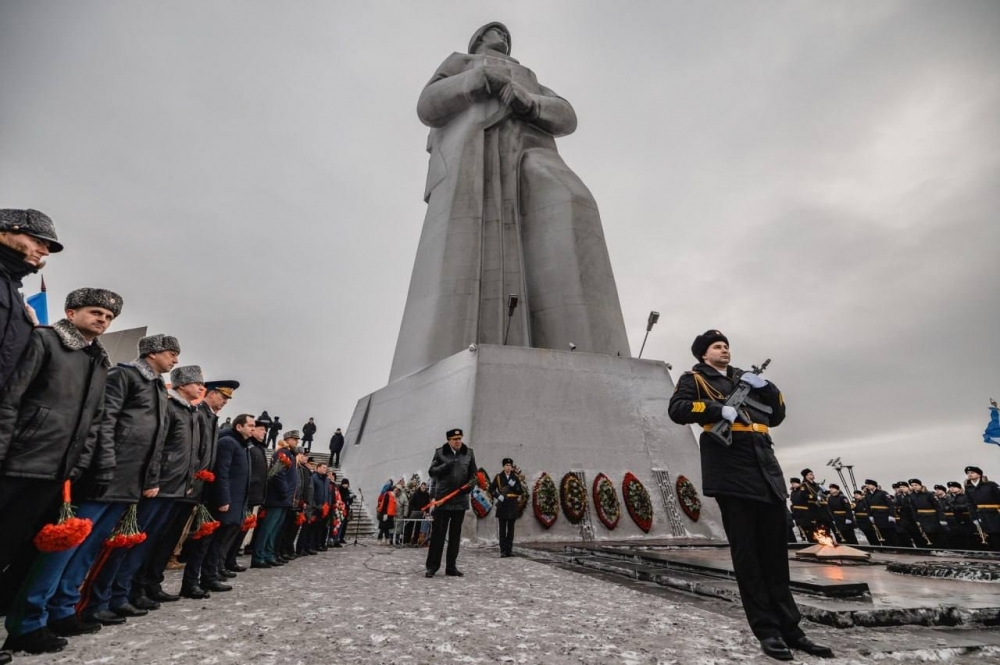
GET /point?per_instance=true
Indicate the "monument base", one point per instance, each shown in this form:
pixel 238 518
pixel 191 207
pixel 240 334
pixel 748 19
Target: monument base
pixel 551 411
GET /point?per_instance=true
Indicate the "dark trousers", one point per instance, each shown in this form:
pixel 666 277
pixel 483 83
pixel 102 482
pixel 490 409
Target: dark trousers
pixel 26 505
pixel 196 552
pixel 286 541
pixel 506 529
pixel 149 579
pixel 871 535
pixel 412 529
pixel 845 534
pixel 215 558
pixel 335 458
pixel 447 524
pixel 756 532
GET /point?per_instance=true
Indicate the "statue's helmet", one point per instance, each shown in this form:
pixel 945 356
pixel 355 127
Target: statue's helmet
pixel 477 36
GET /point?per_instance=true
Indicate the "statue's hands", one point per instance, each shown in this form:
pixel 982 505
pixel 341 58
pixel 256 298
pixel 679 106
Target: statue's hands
pixel 495 79
pixel 517 97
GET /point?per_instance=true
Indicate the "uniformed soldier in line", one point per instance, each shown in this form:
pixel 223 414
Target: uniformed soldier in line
pixel 505 490
pixel 906 525
pixel 816 503
pixel 964 534
pixel 746 481
pixel 931 523
pixel 882 512
pixel 799 498
pixel 863 516
pixel 793 485
pixel 984 495
pixel 842 514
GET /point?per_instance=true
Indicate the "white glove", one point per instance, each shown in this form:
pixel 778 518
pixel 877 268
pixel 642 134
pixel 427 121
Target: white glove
pixel 385 518
pixel 753 380
pixel 499 498
pixel 729 413
pixel 847 521
pixel 943 522
pixel 892 520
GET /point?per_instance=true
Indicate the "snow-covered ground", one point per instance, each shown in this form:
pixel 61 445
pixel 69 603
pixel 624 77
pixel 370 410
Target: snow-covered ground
pixel 374 605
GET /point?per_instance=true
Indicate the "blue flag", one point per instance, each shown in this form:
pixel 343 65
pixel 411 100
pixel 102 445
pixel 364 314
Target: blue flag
pixel 992 433
pixel 40 303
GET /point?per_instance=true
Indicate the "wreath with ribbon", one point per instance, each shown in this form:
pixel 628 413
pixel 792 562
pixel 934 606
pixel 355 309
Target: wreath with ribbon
pixel 688 497
pixel 522 500
pixel 573 496
pixel 545 500
pixel 609 511
pixel 482 502
pixel 637 501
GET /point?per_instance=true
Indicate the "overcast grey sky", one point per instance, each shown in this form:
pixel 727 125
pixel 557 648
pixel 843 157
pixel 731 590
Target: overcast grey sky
pixel 818 180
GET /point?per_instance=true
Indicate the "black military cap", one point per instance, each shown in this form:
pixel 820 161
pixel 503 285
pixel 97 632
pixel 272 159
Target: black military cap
pixel 794 480
pixel 871 482
pixel 975 469
pixel 915 481
pixel 225 386
pixel 952 483
pixel 702 342
pixel 895 485
pixel 453 432
pixel 857 492
pixel 806 472
pixel 507 460
pixel 902 483
pixel 941 487
pixel 834 486
pixel 33 222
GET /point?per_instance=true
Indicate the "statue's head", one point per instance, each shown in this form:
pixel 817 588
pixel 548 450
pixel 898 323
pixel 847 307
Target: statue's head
pixel 491 37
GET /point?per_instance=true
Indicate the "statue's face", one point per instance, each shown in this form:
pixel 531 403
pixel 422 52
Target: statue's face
pixel 493 39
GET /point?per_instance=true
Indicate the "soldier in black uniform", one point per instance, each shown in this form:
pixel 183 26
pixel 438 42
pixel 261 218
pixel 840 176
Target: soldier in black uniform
pixel 799 498
pixel 882 512
pixel 793 484
pixel 984 495
pixel 819 518
pixel 842 514
pixel 746 481
pixel 863 516
pixel 907 533
pixel 929 515
pixel 964 534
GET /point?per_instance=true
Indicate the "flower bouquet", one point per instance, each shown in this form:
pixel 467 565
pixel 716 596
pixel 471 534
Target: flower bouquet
pixel 522 500
pixel 325 511
pixel 68 532
pixel 688 496
pixel 609 511
pixel 249 521
pixel 300 519
pixel 545 500
pixel 126 533
pixel 637 501
pixel 573 497
pixel 204 523
pixel 205 475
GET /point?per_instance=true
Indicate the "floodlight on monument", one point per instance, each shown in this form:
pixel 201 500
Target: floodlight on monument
pixel 650 322
pixel 511 306
pixel 572 346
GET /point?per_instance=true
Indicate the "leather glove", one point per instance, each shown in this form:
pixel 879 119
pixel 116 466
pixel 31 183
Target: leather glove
pixel 729 413
pixel 753 380
pixel 99 489
pixel 76 474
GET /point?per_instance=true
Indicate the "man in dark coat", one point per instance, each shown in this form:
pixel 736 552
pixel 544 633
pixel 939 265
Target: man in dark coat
pixel 984 497
pixel 255 495
pixel 347 497
pixel 863 515
pixel 217 395
pixel 308 432
pixel 506 490
pixel 928 515
pixel 227 499
pixel 420 498
pixel 453 468
pixel 965 535
pixel 181 460
pixel 748 485
pixel 126 466
pixel 312 531
pixel 882 512
pixel 26 238
pixel 336 445
pixel 112 588
pixel 50 419
pixel 281 480
pixel 273 431
pixel 299 514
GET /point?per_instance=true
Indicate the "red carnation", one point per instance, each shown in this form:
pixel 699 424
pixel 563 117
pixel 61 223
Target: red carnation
pixel 68 532
pixel 249 521
pixel 204 524
pixel 300 519
pixel 205 475
pixel 126 533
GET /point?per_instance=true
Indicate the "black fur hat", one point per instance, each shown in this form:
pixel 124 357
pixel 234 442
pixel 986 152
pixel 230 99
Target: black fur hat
pixel 702 342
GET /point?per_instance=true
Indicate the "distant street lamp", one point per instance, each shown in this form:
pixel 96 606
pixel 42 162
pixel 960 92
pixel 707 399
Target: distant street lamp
pixel 653 318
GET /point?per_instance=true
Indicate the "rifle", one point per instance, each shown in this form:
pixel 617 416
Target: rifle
pixel 722 431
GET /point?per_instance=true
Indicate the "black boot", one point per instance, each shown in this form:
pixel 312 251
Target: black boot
pixel 42 640
pixel 776 648
pixel 195 592
pixel 73 625
pixel 805 644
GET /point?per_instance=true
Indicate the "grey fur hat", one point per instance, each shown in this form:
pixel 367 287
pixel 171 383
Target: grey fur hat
pixel 158 343
pixel 293 434
pixel 182 376
pixel 32 222
pixel 88 297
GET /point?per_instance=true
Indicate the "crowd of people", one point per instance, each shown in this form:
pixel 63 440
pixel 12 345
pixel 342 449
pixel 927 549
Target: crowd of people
pixel 955 515
pixel 106 471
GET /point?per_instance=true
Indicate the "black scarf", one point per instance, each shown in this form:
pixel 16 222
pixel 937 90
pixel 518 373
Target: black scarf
pixel 12 262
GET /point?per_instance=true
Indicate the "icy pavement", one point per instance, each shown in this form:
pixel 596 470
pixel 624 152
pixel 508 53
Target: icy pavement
pixel 373 605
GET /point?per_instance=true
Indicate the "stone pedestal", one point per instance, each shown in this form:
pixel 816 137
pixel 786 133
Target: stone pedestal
pixel 554 411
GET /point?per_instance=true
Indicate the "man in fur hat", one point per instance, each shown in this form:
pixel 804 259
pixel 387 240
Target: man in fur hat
pixel 126 466
pixel 26 238
pixel 746 481
pixel 61 374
